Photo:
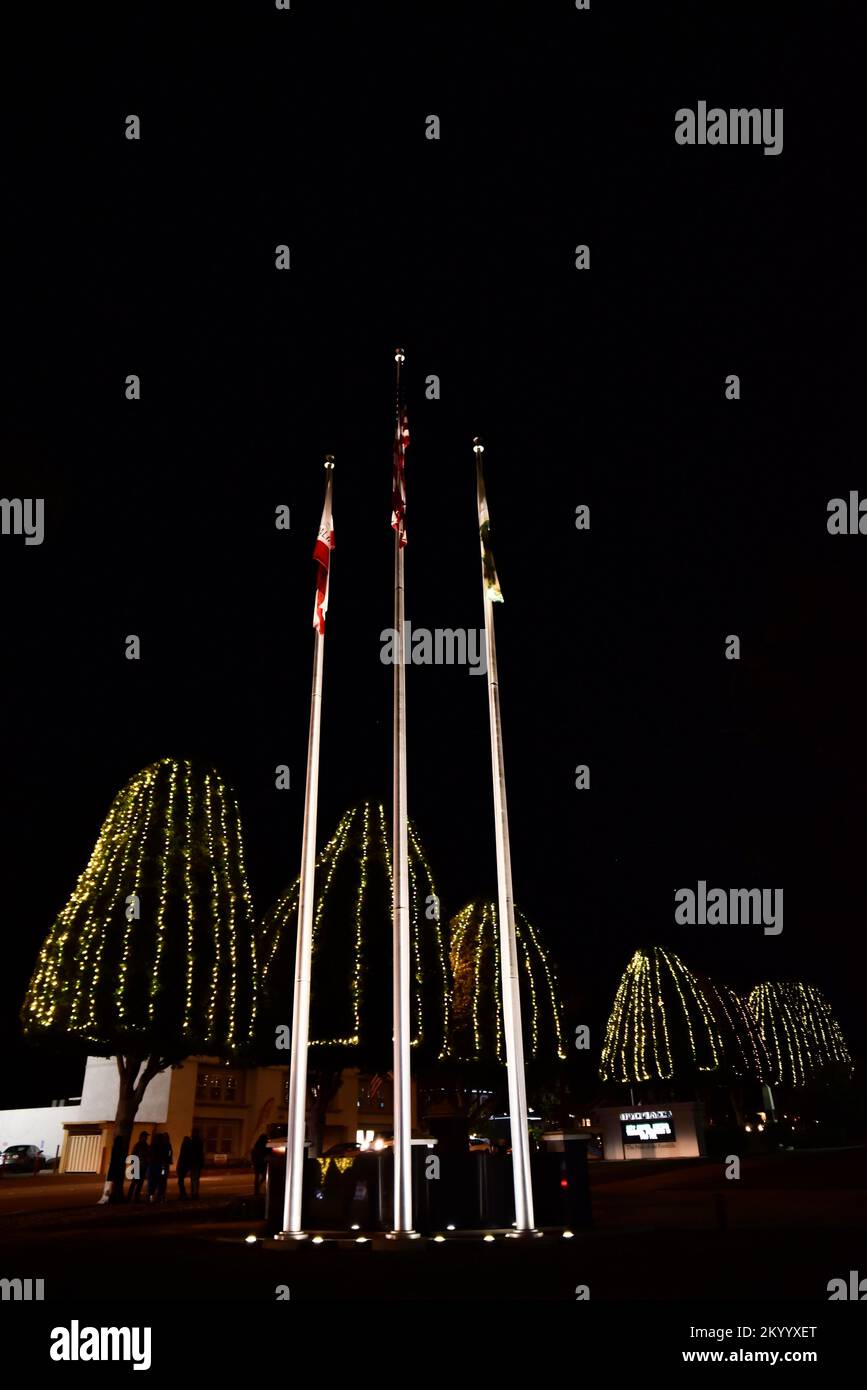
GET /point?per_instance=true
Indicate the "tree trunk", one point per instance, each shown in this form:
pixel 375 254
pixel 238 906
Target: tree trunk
pixel 737 1103
pixel 326 1086
pixel 130 1096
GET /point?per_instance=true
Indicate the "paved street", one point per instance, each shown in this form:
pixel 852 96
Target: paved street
pixel 49 1192
pixel 661 1231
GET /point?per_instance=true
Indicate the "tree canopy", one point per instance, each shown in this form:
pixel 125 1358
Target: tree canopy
pixel 476 1026
pixel 351 982
pixel 154 954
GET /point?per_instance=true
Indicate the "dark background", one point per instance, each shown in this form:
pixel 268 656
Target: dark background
pixel 708 517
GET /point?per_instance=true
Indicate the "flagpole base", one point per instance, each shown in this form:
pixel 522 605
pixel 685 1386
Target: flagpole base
pixel 292 1235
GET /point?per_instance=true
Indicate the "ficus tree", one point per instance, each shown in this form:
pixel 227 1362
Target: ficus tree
pixel 153 957
pixel 351 981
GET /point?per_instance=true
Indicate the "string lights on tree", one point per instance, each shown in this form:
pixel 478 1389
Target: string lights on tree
pixel 802 1036
pixel 668 1024
pixel 153 957
pixel 476 1032
pixel 157 940
pixel 351 967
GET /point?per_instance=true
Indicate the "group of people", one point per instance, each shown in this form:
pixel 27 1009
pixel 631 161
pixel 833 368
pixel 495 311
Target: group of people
pixel 154 1157
pixel 150 1172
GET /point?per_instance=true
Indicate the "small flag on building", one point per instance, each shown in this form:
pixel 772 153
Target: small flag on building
pixel 322 555
pixel 398 481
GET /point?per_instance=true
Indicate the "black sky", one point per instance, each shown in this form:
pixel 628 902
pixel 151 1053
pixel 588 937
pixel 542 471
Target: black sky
pixel 708 517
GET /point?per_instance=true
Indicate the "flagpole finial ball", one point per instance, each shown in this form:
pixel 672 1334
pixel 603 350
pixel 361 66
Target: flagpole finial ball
pixel 478 446
pixel 399 355
pixel 329 460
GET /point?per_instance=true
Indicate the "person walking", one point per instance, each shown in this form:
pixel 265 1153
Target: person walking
pixel 142 1154
pixel 113 1189
pixel 165 1164
pixel 184 1163
pixel 197 1162
pixel 259 1159
pixel 158 1168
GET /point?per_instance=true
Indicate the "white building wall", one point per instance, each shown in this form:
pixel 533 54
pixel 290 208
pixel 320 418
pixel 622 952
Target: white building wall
pixel 101 1088
pixel 43 1125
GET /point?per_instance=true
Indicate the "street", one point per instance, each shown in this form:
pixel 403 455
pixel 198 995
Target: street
pixel 668 1231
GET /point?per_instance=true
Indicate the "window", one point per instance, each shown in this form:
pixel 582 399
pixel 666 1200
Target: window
pixel 221 1138
pixel 219 1086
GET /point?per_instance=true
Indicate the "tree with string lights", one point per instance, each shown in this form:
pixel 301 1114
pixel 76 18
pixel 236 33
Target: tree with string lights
pixel 802 1036
pixel 476 1047
pixel 153 957
pixel 669 1025
pixel 351 973
pixel 476 1024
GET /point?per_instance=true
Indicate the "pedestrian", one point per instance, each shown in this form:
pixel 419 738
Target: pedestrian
pixel 113 1189
pixel 154 1167
pixel 141 1153
pixel 197 1161
pixel 259 1158
pixel 158 1168
pixel 165 1164
pixel 184 1155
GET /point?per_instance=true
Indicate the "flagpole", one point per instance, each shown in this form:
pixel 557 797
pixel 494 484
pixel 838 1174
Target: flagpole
pixel 518 1117
pixel 295 1134
pixel 400 895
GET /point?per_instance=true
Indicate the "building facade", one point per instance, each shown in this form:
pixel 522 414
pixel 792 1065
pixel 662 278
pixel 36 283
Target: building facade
pixel 230 1107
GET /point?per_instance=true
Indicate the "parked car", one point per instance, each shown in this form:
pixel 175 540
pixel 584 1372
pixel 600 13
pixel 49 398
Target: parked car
pixel 480 1145
pixel 21 1158
pixel 277 1135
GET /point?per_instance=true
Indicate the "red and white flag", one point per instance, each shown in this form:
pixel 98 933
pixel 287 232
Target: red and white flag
pixel 322 555
pixel 398 478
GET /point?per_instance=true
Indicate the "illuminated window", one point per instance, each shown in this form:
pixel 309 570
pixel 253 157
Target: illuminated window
pixel 219 1086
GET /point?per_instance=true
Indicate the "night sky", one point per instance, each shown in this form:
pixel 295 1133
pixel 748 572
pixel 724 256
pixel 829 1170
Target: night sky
pixel 603 387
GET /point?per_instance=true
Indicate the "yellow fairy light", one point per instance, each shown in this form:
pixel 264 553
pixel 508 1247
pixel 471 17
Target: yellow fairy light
pixel 215 908
pixel 798 1028
pixel 230 925
pixel 476 996
pixel 111 974
pixel 161 908
pixel 187 852
pixel 666 1021
pixel 368 827
pixel 120 992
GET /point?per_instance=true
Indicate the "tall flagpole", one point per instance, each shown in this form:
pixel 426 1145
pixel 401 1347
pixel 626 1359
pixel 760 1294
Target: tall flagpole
pixel 400 863
pixel 306 897
pixel 518 1117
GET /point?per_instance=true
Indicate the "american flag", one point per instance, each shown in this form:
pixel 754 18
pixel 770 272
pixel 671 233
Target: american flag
pixel 376 1085
pixel 398 478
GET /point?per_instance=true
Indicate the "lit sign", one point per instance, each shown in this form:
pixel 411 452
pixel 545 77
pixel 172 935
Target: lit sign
pixel 647 1127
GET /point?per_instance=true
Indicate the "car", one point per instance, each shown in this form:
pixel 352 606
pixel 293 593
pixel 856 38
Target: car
pixel 21 1158
pixel 277 1137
